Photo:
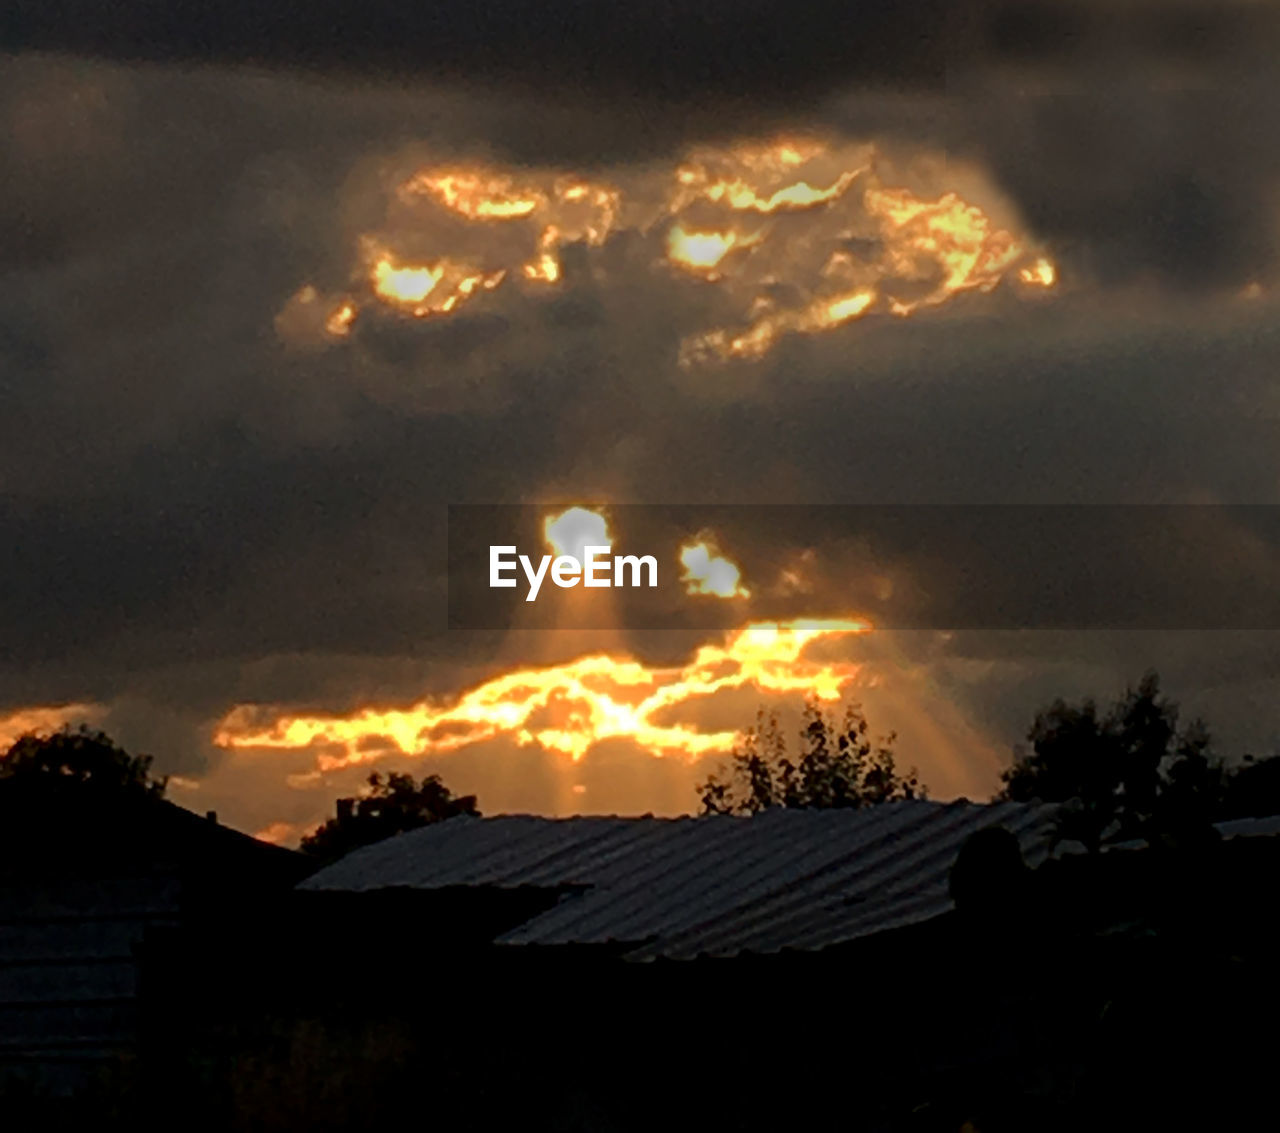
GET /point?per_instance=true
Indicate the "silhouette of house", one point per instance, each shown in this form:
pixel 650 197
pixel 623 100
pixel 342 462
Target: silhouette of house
pixel 681 888
pixel 84 888
pixel 754 973
pixel 550 970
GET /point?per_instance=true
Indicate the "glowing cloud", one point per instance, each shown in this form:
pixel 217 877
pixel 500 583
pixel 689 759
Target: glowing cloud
pixel 572 530
pixel 759 337
pixel 46 719
pixel 477 194
pixel 1041 273
pixel 340 319
pixel 708 572
pixel 425 289
pixel 757 178
pixel 799 236
pixel 310 320
pixel 945 239
pixel 280 833
pixel 702 251
pixel 404 284
pixel 567 708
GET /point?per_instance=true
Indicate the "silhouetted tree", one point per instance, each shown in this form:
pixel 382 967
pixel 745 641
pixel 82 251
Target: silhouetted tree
pixel 837 765
pixel 389 806
pixel 1252 790
pixel 1192 787
pixel 1126 774
pixel 1069 763
pixel 85 761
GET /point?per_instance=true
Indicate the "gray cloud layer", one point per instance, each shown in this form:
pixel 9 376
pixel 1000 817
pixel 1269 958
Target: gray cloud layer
pixel 194 514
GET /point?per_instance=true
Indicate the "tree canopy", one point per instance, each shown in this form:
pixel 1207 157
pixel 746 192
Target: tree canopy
pixel 837 765
pixel 1127 772
pixel 390 805
pixel 84 761
pixel 1252 790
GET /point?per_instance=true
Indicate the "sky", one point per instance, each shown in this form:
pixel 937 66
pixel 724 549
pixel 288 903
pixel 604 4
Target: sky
pixel 279 288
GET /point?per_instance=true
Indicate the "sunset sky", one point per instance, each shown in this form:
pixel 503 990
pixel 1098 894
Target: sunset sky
pixel 276 292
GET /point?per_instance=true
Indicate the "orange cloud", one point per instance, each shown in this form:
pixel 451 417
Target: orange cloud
pixel 566 708
pixel 46 719
pixel 800 236
pixel 281 833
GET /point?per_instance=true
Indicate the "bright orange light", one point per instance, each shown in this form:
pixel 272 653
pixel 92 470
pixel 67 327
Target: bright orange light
pixel 760 336
pixel 703 250
pixel 583 210
pixel 1042 273
pixel 428 289
pixel 340 319
pixel 545 269
pixel 747 177
pixel 404 284
pixel 949 234
pixel 800 194
pixel 278 833
pixel 830 240
pixel 846 307
pixel 477 194
pixel 567 708
pixel 45 719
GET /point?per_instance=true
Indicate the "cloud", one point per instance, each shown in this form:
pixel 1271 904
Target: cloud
pixel 197 513
pixel 658 50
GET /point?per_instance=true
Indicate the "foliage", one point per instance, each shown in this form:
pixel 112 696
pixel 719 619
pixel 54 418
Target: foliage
pixel 837 765
pixel 1192 787
pixel 389 806
pixel 1124 774
pixel 84 761
pixel 1253 789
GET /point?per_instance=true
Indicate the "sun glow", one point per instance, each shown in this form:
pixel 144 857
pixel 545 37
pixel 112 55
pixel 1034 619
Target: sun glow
pixel 568 707
pixel 574 529
pixel 798 236
pixel 706 571
pixel 428 289
pixel 1041 273
pixel 703 251
pixel 340 319
pixel 42 719
pixel 476 194
pixel 404 284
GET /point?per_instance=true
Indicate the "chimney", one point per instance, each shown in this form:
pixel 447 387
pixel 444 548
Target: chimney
pixel 344 809
pixel 211 815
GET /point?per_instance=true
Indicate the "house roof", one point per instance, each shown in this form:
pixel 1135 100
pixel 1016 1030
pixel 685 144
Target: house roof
pixel 718 885
pixel 85 833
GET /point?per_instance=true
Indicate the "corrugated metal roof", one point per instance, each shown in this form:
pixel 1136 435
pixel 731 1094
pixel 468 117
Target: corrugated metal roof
pixel 683 887
pixel 1250 827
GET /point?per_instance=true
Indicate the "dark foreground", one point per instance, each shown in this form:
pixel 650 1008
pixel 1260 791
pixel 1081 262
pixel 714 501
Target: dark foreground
pixel 1136 991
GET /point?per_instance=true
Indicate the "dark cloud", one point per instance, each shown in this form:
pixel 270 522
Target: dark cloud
pixel 921 566
pixel 744 49
pixel 1132 176
pixel 194 513
pixel 747 49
